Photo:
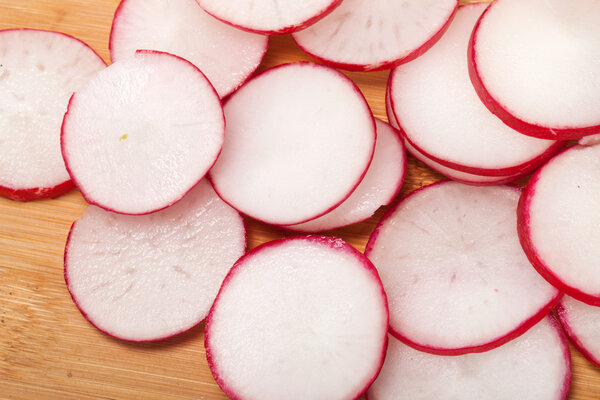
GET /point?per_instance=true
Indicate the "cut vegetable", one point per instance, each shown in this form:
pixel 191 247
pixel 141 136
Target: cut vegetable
pixel 142 133
pixel 149 277
pixel 582 324
pixel 39 70
pixel 535 366
pixel 534 63
pixel 228 56
pixel 300 318
pixel 299 139
pixel 455 275
pixel 376 34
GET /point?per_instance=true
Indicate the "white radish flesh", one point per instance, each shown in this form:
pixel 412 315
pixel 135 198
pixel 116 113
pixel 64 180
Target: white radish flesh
pixel 582 324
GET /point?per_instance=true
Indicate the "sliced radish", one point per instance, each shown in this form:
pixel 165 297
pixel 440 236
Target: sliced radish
pixel 228 56
pixel 39 70
pixel 376 34
pixel 456 277
pixel 537 365
pixel 300 318
pixel 149 277
pixel 299 139
pixel 582 323
pixel 142 133
pixel 381 184
pixel 441 116
pixel 269 16
pixel 559 222
pixel 534 63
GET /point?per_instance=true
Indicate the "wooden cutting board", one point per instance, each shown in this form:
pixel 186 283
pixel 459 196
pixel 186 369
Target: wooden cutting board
pixel 47 349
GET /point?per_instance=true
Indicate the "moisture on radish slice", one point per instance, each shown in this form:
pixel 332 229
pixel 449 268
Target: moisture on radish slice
pixel 434 102
pixel 536 365
pixel 269 16
pixel 455 275
pixel 298 141
pixel 376 34
pixel 534 63
pixel 298 318
pixel 149 277
pixel 39 70
pixel 381 184
pixel 228 56
pixel 582 324
pixel 142 133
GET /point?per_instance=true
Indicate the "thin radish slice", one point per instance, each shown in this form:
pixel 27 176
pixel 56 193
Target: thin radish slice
pixel 456 277
pixel 228 56
pixel 299 139
pixel 434 102
pixel 269 16
pixel 559 222
pixel 143 278
pixel 39 70
pixel 582 324
pixel 381 184
pixel 142 133
pixel 376 34
pixel 299 318
pixel 534 63
pixel 537 365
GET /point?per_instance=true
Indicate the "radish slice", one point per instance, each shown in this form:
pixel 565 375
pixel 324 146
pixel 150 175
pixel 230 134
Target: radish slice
pixel 269 16
pixel 456 277
pixel 225 54
pixel 381 184
pixel 299 139
pixel 376 34
pixel 582 323
pixel 441 116
pixel 535 366
pixel 300 318
pixel 149 277
pixel 39 70
pixel 534 64
pixel 142 133
pixel 559 222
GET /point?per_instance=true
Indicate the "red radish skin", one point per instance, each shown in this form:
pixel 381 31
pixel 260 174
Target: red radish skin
pixel 37 193
pixel 581 323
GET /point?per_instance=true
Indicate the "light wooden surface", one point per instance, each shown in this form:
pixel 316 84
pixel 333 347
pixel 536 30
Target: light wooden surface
pixel 47 349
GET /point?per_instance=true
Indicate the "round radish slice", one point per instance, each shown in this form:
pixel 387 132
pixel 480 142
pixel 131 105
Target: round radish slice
pixel 582 323
pixel 537 365
pixel 377 34
pixel 381 184
pixel 534 63
pixel 456 277
pixel 300 318
pixel 142 133
pixel 149 277
pixel 269 16
pixel 39 70
pixel 559 222
pixel 298 141
pixel 434 102
pixel 228 56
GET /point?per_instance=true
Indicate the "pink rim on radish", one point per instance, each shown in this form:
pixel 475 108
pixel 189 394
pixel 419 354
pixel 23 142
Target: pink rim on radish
pixel 145 278
pixel 582 324
pixel 39 71
pixel 455 275
pixel 142 133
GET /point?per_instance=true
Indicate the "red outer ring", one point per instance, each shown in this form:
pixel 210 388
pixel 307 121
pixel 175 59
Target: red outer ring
pixel 563 317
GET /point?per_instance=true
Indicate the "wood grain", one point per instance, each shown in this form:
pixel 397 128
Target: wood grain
pixel 47 349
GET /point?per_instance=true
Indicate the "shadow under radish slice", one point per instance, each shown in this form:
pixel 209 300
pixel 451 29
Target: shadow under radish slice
pixel 582 324
pixel 142 133
pixel 149 277
pixel 226 55
pixel 534 64
pixel 455 275
pixel 376 34
pixel 536 365
pixel 39 70
pixel 298 318
pixel 299 140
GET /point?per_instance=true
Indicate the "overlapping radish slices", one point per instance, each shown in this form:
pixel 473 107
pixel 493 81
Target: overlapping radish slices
pixel 39 71
pixel 582 324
